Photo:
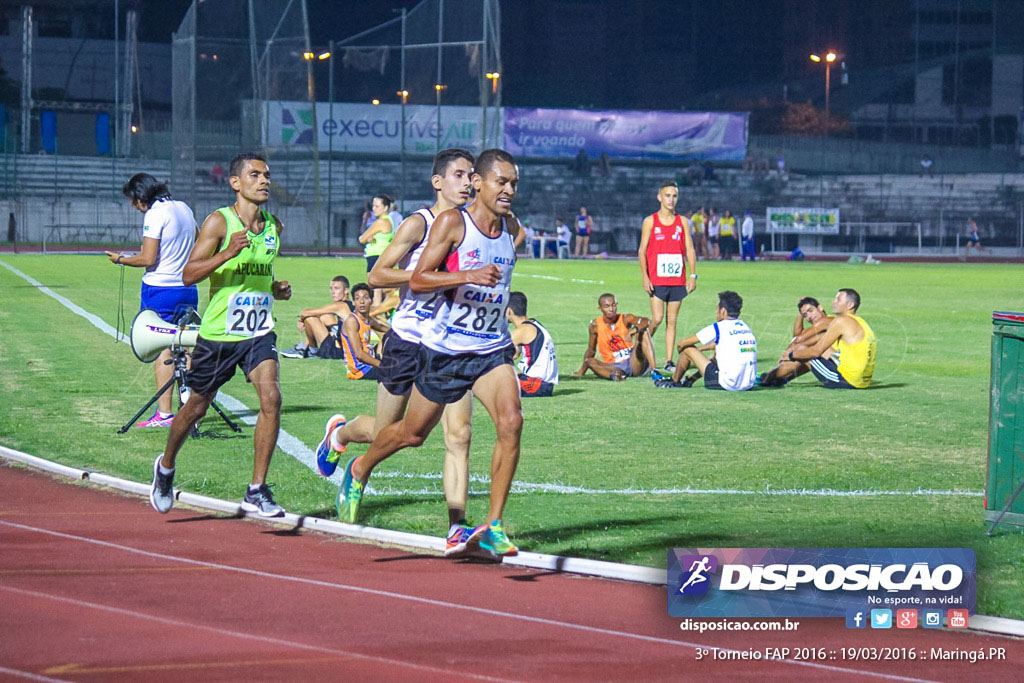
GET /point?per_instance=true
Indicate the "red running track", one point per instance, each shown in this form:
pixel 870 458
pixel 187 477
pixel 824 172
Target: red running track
pixel 94 585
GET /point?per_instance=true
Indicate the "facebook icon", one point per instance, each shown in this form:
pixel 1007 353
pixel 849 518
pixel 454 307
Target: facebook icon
pixel 856 618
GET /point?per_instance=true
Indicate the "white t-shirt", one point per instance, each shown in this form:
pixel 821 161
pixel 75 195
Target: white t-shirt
pixel 563 233
pixel 173 223
pixel 747 229
pixel 735 353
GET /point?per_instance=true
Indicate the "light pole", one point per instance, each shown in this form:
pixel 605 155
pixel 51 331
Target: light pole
pixel 438 88
pixel 830 57
pixel 493 77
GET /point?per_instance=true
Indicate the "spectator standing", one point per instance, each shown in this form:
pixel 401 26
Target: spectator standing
pixel 747 235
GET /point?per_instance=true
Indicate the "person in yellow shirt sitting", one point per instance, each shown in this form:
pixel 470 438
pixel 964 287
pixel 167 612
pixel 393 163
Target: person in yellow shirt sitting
pixel 844 356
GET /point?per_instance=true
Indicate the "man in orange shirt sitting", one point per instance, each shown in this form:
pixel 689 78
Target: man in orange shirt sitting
pixel 620 345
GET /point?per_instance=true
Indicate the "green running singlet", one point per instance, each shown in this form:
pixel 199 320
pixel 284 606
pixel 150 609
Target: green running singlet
pixel 240 289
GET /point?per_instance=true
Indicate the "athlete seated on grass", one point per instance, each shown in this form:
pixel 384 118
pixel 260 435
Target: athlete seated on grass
pixel 811 313
pixel 619 346
pixel 844 356
pixel 319 323
pixel 354 340
pixel 734 364
pixel 537 364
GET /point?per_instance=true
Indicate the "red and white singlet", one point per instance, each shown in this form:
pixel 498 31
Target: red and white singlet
pixel 666 252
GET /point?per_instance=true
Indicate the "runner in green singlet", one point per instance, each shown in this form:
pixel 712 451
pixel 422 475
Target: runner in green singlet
pixel 235 249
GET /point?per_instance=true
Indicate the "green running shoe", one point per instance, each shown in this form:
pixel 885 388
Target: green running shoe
pixel 349 494
pixel 494 539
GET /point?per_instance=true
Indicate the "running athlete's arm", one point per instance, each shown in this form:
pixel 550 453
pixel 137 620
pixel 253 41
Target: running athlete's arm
pixel 445 235
pixel 378 226
pixel 516 230
pixel 407 237
pixel 691 260
pixel 205 257
pixel 280 289
pixel 645 238
pixel 350 328
pixel 590 222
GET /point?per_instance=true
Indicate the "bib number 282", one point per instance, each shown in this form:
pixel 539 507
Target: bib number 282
pixel 249 314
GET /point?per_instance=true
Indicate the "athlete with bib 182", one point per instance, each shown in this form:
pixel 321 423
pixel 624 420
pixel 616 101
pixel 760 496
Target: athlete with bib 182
pixel 664 244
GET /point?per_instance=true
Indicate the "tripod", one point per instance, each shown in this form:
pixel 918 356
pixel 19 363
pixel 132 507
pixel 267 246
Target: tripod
pixel 179 357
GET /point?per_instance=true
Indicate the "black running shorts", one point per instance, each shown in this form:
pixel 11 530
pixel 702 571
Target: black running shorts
pixel 330 349
pixel 827 372
pixel 669 293
pixel 446 378
pixel 711 376
pixel 214 363
pixel 400 363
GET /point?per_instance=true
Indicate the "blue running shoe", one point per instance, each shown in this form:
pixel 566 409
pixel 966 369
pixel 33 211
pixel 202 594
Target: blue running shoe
pixel 657 376
pixel 494 540
pixel 349 495
pixel 460 538
pixel 326 457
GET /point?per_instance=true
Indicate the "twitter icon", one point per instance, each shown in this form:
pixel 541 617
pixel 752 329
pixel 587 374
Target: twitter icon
pixel 881 618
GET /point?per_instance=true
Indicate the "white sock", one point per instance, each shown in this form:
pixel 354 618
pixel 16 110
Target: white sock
pixel 253 488
pixel 164 471
pixel 335 443
pixel 163 415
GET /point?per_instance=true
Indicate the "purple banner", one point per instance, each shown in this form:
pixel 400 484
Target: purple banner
pixel 626 134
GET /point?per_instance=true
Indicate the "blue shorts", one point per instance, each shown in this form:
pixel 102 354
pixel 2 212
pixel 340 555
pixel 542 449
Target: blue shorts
pixel 170 303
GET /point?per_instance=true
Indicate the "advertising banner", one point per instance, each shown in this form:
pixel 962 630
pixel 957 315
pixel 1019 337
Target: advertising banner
pixel 799 219
pixel 820 582
pixel 626 134
pixel 357 127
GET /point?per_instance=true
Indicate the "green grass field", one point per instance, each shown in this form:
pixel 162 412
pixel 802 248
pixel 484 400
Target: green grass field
pixel 620 472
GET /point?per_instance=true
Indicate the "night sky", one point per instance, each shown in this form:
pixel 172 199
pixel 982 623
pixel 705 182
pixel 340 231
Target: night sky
pixel 640 54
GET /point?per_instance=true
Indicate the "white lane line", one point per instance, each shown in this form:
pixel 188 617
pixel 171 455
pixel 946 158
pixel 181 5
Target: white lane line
pixel 341 654
pixel 28 675
pixel 305 455
pixel 420 600
pixel 559 279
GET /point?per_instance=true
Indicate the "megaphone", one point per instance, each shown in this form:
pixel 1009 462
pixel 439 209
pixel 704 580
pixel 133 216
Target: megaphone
pixel 151 334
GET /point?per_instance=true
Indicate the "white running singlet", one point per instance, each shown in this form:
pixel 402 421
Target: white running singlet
pixel 475 321
pixel 539 360
pixel 417 312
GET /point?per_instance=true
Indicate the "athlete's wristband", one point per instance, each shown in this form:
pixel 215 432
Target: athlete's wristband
pixel 693 276
pixel 791 355
pixel 119 257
